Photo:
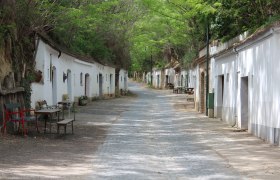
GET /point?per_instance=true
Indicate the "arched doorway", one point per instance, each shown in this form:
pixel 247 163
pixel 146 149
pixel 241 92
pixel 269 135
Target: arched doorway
pixel 166 81
pixel 202 93
pixel 54 85
pixel 100 85
pixel 87 85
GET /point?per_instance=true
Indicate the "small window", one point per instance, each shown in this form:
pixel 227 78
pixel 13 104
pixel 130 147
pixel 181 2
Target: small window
pixel 121 78
pixel 81 79
pixel 227 77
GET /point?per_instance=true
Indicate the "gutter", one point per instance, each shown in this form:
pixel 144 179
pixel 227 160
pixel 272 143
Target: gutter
pixel 249 42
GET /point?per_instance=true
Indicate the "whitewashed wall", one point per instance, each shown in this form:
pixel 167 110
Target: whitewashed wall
pixel 110 81
pixel 259 61
pixel 144 78
pixel 184 77
pixel 38 90
pixel 251 96
pixel 196 73
pixel 157 76
pixel 170 72
pixel 148 77
pixel 225 97
pixel 80 69
pixel 81 77
pixel 123 79
pixel 192 78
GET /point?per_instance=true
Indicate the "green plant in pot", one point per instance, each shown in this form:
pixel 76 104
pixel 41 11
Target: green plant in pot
pixel 83 100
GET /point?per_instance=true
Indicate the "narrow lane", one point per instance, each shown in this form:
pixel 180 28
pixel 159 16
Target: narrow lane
pixel 147 142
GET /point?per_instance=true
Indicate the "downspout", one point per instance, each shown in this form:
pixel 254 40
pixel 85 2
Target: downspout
pixel 207 67
pixel 235 120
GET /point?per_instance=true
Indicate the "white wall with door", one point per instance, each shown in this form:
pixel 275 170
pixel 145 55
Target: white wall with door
pixel 170 75
pixel 64 74
pixel 109 81
pixel 225 87
pixel 258 91
pixel 123 79
pixel 157 78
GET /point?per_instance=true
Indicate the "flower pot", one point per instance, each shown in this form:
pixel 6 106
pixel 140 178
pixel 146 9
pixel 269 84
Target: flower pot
pixel 83 102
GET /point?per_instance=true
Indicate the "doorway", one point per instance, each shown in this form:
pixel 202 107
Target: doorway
pixel 202 93
pixel 244 99
pixel 166 81
pixel 100 85
pixel 220 96
pixel 87 85
pixel 158 81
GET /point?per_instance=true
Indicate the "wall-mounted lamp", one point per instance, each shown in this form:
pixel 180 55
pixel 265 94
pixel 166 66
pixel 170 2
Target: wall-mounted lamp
pixel 64 76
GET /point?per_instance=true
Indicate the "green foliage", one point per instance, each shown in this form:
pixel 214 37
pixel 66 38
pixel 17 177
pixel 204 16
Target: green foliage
pixel 131 34
pixel 96 28
pixel 26 84
pixel 234 17
pixel 177 24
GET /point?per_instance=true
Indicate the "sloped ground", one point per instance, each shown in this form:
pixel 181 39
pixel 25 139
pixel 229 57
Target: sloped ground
pixel 155 135
pixel 51 156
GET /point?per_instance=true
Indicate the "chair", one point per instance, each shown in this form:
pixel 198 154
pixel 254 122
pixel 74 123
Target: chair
pixel 28 115
pixel 44 105
pixel 13 114
pixel 69 120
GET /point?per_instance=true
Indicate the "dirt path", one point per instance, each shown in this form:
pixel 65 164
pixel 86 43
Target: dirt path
pixel 45 156
pixel 134 138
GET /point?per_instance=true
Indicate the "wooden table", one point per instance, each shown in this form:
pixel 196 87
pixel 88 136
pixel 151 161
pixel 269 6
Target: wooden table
pixel 49 112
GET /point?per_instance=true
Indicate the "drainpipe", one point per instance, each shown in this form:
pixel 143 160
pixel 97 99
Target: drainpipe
pixel 207 67
pixel 151 69
pixel 236 89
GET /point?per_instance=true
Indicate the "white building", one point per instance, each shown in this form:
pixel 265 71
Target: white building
pixel 169 74
pixel 123 80
pixel 65 73
pixel 246 90
pixel 158 81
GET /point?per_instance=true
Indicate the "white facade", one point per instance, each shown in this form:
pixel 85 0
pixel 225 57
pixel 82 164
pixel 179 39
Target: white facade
pixel 246 90
pixel 123 80
pixel 148 78
pixel 258 97
pixel 65 74
pixel 226 87
pixel 169 76
pixel 157 79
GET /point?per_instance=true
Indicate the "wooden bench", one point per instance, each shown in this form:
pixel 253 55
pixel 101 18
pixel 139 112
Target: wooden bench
pixel 69 120
pixel 64 124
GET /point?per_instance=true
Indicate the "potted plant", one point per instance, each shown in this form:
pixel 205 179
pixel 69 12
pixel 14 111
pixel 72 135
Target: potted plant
pixel 83 100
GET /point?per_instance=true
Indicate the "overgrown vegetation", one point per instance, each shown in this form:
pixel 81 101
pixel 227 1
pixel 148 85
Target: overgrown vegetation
pixel 134 34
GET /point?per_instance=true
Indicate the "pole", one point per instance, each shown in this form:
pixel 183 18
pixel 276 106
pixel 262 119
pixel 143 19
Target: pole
pixel 151 69
pixel 207 67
